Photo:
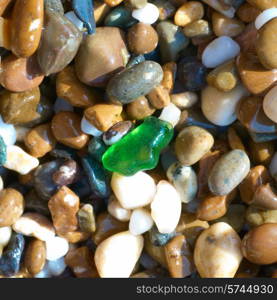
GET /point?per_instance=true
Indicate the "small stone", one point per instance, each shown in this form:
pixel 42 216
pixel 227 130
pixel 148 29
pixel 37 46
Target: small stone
pixel 192 143
pixel 184 100
pixel 263 4
pixel 148 14
pixel 188 13
pixel 66 174
pixel 66 128
pixel 219 107
pixel 117 211
pixel 219 51
pixel 185 181
pixel 117 132
pixel 5 236
pixel 7 132
pixel 86 218
pixel 269 104
pixel 63 207
pixel 11 206
pixel 135 60
pixel 56 248
pixel 171 114
pixel 116 256
pixel 140 221
pixel 36 225
pixel 120 17
pixel 35 256
pixel 265 197
pixel 140 185
pixel 247 13
pixel 89 129
pixel 169 70
pixel 166 9
pixel 220 6
pixel 166 207
pixel 228 172
pixel 139 109
pixel 257 216
pixel 103 116
pixel 20 161
pixel 217 252
pixel 198 29
pixel 40 140
pixel 223 26
pixel 261 153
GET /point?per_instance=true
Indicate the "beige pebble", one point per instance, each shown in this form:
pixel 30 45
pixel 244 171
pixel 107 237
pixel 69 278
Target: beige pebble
pixel 184 100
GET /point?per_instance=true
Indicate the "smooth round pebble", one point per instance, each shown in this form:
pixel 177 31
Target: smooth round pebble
pixel 148 14
pixel 56 248
pixel 171 114
pixel 140 221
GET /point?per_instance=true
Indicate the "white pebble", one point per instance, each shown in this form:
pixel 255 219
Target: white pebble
pixel 56 248
pixel 219 51
pixel 140 222
pixel 62 105
pixel 117 211
pixel 133 191
pixel 36 225
pixel 166 207
pixel 7 132
pixel 5 235
pixel 171 114
pixel 71 16
pixel 117 256
pixel 265 17
pixel 148 14
pixel 20 161
pixel 88 128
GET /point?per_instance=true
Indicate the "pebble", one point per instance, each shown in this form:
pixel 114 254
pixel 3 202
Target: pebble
pixel 63 206
pixel 171 41
pixel 106 226
pixel 266 45
pixel 140 221
pixel 159 97
pixel 169 70
pixel 103 116
pixel 191 144
pixel 166 207
pixel 263 4
pixel 71 89
pixel 55 5
pixel 7 132
pixel 89 129
pixel 184 180
pixel 228 172
pixel 86 218
pixel 197 29
pixel 179 257
pixel 117 256
pixel 184 100
pixel 171 114
pixel 134 82
pixel 257 216
pixel 26 29
pixel 117 211
pixel 5 236
pixel 59 43
pixel 223 26
pixel 71 16
pixel 166 9
pixel 142 38
pixel 117 132
pixel 66 128
pixel 20 161
pixel 56 247
pixel 217 252
pixel 265 197
pixel 20 74
pixel 106 49
pixel 140 185
pixel 188 13
pixel 259 244
pixel 97 148
pixel 67 173
pixel 120 17
pixel 220 6
pixel 219 51
pixel 219 107
pixel 247 13
pixel 39 140
pixel 35 256
pixel 261 153
pixel 139 109
pixel 35 225
pixel 148 14
pixel 269 104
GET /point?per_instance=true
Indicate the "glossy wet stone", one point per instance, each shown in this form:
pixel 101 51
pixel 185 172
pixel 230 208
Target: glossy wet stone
pixel 107 52
pixel 84 11
pixel 117 132
pixel 149 138
pixel 120 17
pixel 59 43
pixel 139 109
pixel 67 173
pixel 98 178
pixel 86 218
pixel 10 259
pixel 134 82
pixel 35 256
pixel 265 197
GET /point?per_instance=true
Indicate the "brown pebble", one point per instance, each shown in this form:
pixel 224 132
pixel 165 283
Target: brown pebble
pixel 40 140
pixel 86 218
pixel 106 226
pixel 81 262
pixel 103 116
pixel 35 256
pixel 66 128
pixel 3 5
pixel 265 197
pixel 247 39
pixel 259 245
pixel 67 173
pixel 169 70
pixel 63 207
pixel 234 139
pixel 11 206
pixel 189 12
pixel 166 9
pixel 155 252
pixel 179 257
pixel 139 109
pixel 142 38
pixel 71 89
pixel 159 97
pixel 223 26
pixel 263 4
pixel 247 13
pixel 20 74
pixel 261 153
pixel 117 132
pixel 198 29
pixel 75 237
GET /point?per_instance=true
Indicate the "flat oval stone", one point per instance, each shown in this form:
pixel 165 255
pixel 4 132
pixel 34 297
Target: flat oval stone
pixel 134 82
pixel 228 172
pixel 107 53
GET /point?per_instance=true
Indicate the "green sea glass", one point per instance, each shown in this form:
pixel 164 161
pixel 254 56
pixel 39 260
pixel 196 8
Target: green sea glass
pixel 3 151
pixel 140 149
